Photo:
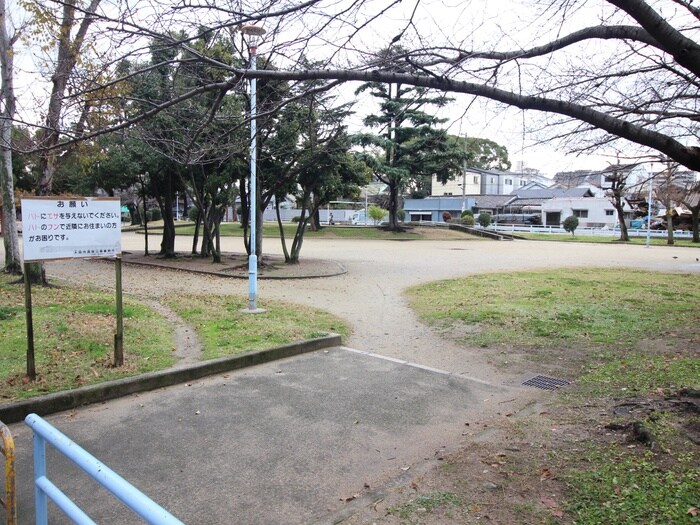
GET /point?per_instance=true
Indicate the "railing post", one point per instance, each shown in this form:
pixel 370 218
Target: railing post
pixel 10 500
pixel 40 499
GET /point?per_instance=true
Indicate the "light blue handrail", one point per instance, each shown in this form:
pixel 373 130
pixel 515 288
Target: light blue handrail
pixel 133 498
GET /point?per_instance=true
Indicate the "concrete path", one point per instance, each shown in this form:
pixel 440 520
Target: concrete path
pixel 295 442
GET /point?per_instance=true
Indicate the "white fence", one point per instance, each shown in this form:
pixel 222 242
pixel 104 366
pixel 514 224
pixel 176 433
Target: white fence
pixel 600 232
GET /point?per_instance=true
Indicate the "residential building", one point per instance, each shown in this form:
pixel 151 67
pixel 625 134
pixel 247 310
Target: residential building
pixel 486 182
pixel 592 212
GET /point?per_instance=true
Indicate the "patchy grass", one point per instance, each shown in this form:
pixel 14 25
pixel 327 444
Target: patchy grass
pixel 445 504
pixel 632 488
pixel 224 329
pixel 592 307
pixel 621 444
pixel 74 339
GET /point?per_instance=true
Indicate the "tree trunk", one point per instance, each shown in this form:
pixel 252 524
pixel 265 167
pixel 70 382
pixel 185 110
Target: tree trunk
pixel 669 227
pixel 10 232
pixel 195 237
pixel 283 240
pixel 167 245
pixel 624 235
pixel 393 206
pixel 13 261
pixel 68 53
pixel 695 216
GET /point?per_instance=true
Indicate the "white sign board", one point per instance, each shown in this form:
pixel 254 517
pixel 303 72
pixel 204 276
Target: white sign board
pixel 71 227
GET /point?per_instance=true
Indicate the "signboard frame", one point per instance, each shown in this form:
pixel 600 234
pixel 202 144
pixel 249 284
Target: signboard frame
pixel 70 228
pixel 59 228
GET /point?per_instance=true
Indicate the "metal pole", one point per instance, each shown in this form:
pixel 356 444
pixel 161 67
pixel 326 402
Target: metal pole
pixel 253 259
pixel 651 185
pixel 464 176
pixel 366 211
pixel 31 367
pixel 119 336
pixel 41 501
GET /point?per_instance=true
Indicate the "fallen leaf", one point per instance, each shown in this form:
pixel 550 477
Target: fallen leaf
pixel 693 511
pixel 545 473
pixel 549 502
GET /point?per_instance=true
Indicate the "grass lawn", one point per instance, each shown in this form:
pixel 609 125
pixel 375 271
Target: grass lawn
pixel 224 330
pixel 74 339
pixel 627 339
pixel 74 330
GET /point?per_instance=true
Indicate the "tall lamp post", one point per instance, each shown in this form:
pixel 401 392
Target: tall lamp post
pixel 254 33
pixel 464 176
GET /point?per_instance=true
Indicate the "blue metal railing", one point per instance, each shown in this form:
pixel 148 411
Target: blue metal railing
pixel 133 498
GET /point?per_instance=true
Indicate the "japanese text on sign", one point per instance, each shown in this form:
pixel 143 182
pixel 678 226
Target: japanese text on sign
pixel 71 227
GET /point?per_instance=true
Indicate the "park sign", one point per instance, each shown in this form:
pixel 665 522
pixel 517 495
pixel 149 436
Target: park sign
pixel 70 227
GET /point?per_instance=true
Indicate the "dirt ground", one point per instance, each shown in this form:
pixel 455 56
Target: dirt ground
pixel 503 468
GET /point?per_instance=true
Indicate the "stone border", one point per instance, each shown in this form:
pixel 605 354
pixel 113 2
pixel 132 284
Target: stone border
pixel 243 274
pixel 68 399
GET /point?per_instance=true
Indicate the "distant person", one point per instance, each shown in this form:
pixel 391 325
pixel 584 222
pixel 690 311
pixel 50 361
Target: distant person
pixel 330 219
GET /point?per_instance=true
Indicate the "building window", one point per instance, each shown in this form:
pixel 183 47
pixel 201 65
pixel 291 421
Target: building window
pixel 448 194
pixel 609 213
pixel 492 180
pixel 476 179
pixel 509 182
pixel 523 182
pixel 581 214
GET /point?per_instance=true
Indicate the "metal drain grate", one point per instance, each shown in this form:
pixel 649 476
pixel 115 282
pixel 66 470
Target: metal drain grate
pixel 546 383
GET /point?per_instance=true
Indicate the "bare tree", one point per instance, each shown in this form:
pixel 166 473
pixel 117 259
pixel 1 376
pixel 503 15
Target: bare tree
pixel 670 194
pixel 692 200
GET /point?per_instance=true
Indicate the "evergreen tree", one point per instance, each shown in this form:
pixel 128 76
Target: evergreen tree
pixel 413 147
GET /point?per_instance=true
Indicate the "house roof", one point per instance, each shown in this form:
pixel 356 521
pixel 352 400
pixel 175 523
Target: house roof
pixel 551 193
pixel 493 201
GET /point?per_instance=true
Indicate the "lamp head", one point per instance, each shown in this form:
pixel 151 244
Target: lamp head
pixel 254 33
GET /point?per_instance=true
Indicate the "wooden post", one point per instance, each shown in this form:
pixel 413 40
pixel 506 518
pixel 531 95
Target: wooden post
pixel 119 336
pixel 31 369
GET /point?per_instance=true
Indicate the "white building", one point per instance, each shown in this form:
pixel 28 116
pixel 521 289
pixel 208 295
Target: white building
pixel 592 212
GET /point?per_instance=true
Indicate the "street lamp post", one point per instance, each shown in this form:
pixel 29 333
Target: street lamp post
pixel 464 176
pixel 254 33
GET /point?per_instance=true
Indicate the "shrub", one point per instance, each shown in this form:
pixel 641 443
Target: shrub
pixel 376 213
pixel 401 215
pixel 154 214
pixel 446 216
pixel 296 218
pixel 484 219
pixel 468 220
pixel 570 224
pixel 467 213
pixel 192 213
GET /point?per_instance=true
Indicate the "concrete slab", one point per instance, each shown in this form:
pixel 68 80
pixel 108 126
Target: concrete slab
pixel 284 442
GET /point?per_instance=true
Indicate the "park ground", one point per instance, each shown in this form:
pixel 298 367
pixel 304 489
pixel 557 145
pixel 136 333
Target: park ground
pixel 510 464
